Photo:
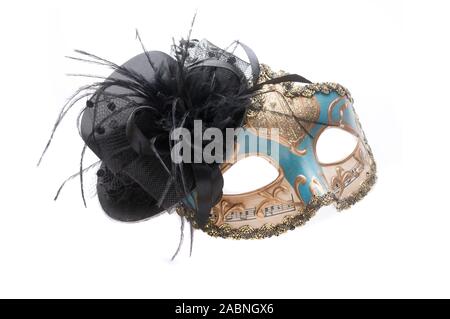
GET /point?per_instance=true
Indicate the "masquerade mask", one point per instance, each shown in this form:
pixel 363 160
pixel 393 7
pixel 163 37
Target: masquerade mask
pixel 303 184
pixel 131 116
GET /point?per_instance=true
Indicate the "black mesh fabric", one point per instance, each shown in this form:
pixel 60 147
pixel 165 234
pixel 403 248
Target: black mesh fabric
pixel 117 191
pixel 203 50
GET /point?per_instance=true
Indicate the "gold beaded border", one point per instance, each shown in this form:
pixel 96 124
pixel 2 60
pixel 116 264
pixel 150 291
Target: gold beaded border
pixel 293 89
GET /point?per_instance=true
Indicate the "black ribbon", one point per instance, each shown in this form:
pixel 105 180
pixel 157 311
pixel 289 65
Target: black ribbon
pixel 254 62
pixel 218 64
pixel 281 79
pixel 209 182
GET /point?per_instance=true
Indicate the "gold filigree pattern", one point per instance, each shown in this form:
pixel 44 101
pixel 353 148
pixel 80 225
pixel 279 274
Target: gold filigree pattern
pixel 340 180
pixel 293 117
pixel 344 177
pixel 291 89
pixel 342 109
pixel 310 89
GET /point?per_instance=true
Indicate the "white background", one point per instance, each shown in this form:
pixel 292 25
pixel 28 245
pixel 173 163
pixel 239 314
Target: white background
pixel 393 56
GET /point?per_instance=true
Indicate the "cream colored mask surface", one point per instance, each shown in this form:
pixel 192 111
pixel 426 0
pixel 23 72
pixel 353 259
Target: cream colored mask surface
pixel 302 180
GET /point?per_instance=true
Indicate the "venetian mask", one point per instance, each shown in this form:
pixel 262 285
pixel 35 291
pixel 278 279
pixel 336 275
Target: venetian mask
pixel 303 183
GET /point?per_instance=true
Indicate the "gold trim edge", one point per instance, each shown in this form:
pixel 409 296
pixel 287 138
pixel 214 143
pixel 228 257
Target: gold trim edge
pixel 293 89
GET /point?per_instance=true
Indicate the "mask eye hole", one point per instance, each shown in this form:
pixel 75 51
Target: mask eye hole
pixel 248 174
pixel 335 145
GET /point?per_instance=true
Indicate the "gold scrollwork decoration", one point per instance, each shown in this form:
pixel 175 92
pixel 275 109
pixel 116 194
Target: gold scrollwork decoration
pixel 271 197
pixel 221 210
